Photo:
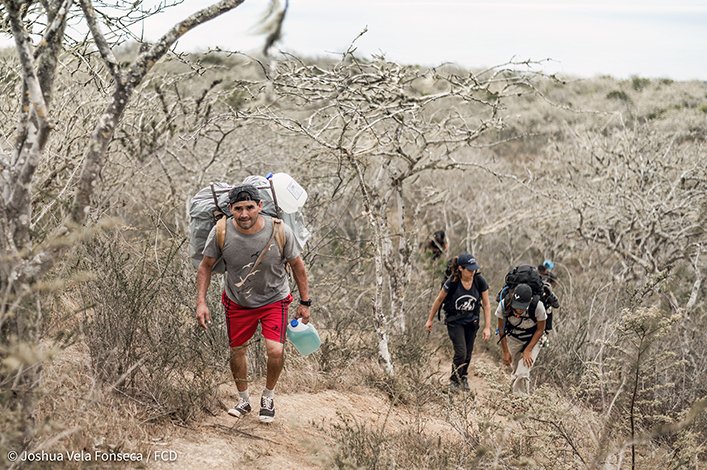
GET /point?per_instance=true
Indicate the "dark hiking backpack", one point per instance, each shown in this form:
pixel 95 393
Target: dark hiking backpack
pixel 550 301
pixel 523 274
pixel 548 298
pixel 447 303
pixel 447 276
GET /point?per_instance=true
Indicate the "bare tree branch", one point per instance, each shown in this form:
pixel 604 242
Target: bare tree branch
pixel 33 131
pixel 105 129
pixel 55 30
pixel 100 41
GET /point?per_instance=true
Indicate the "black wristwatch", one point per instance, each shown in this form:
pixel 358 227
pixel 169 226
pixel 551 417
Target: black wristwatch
pixel 306 303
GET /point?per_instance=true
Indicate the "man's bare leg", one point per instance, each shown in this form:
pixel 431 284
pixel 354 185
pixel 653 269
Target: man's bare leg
pixel 276 361
pixel 239 367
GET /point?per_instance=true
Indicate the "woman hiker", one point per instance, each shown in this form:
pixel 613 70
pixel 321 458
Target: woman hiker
pixel 462 296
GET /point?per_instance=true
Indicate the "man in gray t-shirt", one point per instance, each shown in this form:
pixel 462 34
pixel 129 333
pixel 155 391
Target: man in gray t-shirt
pixel 255 249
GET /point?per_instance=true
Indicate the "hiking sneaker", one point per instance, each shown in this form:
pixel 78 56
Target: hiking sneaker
pixel 241 409
pixel 465 383
pixel 267 409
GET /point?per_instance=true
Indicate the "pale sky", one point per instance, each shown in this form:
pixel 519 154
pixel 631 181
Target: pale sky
pixel 649 38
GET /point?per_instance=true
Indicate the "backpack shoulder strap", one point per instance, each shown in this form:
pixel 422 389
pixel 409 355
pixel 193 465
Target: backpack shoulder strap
pixel 532 307
pixel 217 213
pixel 221 232
pixel 279 234
pixel 452 284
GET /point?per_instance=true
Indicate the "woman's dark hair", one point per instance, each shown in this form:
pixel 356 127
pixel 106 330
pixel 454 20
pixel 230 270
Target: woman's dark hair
pixel 454 267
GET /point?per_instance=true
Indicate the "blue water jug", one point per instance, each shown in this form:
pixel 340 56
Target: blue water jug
pixel 304 337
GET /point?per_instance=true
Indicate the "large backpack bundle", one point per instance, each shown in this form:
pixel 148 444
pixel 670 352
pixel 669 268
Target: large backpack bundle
pixel 203 211
pixel 210 204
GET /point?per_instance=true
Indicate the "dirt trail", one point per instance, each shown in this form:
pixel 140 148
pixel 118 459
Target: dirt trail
pixel 301 436
pixel 297 439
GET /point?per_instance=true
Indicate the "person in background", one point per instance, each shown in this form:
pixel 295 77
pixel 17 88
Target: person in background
pixel 462 296
pixel 546 271
pixel 548 298
pixel 437 245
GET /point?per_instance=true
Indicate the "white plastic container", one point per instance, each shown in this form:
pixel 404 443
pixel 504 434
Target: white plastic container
pixel 290 196
pixel 304 337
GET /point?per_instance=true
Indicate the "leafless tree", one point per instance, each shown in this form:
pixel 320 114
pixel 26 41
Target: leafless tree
pixel 42 40
pixel 642 197
pixel 381 125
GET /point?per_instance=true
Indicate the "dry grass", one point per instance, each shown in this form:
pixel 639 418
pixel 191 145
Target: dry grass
pixel 77 412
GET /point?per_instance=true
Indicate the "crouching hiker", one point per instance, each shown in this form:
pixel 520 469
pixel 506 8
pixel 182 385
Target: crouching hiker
pixel 462 296
pixel 521 323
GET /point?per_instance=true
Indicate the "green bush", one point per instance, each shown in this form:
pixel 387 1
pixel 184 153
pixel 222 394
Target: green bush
pixel 618 95
pixel 638 83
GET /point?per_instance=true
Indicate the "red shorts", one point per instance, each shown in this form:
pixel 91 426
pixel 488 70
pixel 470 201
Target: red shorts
pixel 241 322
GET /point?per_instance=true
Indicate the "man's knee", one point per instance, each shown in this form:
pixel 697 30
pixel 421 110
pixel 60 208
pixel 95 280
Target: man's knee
pixel 275 350
pixel 239 351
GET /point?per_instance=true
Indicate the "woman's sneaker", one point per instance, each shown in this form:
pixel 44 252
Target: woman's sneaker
pixel 267 409
pixel 241 409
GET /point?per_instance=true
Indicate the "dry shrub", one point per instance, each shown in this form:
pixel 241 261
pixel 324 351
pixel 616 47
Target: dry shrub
pixel 415 382
pixel 361 445
pixel 342 362
pixel 141 333
pixel 76 412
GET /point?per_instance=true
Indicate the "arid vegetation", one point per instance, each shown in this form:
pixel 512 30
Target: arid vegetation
pixel 606 177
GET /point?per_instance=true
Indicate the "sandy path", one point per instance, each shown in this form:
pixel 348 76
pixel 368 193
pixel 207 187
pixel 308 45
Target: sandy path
pixel 301 436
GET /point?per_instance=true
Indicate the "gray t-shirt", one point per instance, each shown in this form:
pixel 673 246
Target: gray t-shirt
pixel 268 282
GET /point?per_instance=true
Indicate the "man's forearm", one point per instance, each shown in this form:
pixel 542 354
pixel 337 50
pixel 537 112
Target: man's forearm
pixel 504 343
pixel 300 274
pixel 203 279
